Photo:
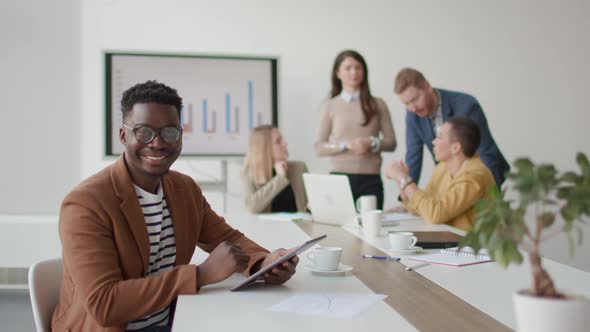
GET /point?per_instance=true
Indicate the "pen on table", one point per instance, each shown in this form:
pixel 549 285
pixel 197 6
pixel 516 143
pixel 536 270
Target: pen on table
pixel 387 258
pixel 413 267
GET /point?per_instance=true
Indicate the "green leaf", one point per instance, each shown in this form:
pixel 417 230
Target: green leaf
pixel 571 177
pixel 498 256
pixel 507 253
pixel 547 219
pixel 471 240
pixel 494 192
pixel 547 175
pixel 524 165
pixel 580 234
pixel 571 242
pixel 582 160
pixel 514 254
pixel 493 240
pixel 564 192
pixel 568 213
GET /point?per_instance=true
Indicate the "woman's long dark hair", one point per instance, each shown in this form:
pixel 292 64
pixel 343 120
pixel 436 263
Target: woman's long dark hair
pixel 368 104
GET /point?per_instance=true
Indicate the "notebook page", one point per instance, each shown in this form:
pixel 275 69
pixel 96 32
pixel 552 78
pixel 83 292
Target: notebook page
pixel 467 251
pixel 451 258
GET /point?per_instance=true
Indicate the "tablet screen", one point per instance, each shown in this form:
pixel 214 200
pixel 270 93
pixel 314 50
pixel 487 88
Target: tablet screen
pixel 294 252
pixel 436 240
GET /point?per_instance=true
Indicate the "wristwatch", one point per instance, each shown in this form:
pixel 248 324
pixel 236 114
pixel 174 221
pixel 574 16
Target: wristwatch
pixel 342 147
pixel 375 144
pixel 406 180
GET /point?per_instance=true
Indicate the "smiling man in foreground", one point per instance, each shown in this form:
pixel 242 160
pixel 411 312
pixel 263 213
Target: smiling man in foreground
pixel 128 232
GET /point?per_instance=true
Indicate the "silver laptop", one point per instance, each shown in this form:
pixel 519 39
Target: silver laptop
pixel 331 201
pixel 330 198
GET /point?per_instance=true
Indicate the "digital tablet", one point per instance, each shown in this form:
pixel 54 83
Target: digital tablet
pixel 437 240
pixel 294 252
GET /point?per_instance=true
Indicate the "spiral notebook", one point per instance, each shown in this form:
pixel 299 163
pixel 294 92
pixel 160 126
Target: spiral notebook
pixel 455 257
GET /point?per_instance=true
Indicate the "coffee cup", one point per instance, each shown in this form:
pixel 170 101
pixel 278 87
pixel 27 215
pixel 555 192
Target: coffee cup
pixel 366 203
pixel 325 258
pixel 372 223
pixel 402 240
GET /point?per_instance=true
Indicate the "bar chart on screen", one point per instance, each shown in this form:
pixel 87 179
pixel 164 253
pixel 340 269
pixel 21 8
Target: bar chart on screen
pixel 223 97
pixel 234 115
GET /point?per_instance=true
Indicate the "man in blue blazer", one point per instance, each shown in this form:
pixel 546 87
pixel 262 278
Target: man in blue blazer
pixel 428 108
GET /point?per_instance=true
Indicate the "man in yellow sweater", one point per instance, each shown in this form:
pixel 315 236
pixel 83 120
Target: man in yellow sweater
pixel 458 181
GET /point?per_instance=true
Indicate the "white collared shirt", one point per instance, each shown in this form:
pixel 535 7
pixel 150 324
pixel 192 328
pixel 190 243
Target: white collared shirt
pixel 437 117
pixel 348 97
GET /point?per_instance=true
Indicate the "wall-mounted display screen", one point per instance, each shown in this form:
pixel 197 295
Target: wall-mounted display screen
pixel 224 97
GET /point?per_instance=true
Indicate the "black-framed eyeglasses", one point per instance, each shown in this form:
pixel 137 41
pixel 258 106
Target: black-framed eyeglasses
pixel 146 134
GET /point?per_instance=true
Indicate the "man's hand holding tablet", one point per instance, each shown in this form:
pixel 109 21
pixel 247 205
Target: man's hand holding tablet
pixel 282 272
pixel 279 265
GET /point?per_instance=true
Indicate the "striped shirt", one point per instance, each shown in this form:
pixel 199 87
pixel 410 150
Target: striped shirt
pixel 162 248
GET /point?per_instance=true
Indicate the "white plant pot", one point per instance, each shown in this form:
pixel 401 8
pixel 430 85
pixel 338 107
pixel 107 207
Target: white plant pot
pixel 539 314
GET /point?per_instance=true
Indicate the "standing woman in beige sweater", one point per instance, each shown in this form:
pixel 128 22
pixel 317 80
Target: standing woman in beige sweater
pixel 355 127
pixel 272 183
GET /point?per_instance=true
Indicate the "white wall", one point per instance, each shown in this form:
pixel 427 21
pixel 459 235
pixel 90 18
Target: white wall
pixel 40 94
pixel 525 61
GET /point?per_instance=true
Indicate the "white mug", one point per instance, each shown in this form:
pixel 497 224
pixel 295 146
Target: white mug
pixel 402 240
pixel 372 223
pixel 365 204
pixel 325 258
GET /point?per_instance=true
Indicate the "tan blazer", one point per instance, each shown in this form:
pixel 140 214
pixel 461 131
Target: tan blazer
pixel 105 249
pixel 258 199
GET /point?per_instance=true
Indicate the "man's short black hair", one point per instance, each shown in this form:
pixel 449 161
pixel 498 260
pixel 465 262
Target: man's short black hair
pixel 149 92
pixel 466 132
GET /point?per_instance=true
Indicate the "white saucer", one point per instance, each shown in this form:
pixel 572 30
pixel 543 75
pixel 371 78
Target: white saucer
pixel 411 250
pixel 342 270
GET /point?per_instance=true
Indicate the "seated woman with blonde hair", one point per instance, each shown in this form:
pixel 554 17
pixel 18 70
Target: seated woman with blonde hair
pixel 271 182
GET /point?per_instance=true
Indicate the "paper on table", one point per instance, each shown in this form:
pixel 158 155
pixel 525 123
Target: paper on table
pixel 285 216
pixel 327 304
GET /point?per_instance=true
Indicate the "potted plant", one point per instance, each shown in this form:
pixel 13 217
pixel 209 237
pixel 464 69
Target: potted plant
pixel 500 227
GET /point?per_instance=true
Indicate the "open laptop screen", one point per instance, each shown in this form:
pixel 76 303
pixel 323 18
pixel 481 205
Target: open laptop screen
pixel 330 198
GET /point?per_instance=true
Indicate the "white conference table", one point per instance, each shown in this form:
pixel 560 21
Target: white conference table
pixel 215 308
pixel 486 287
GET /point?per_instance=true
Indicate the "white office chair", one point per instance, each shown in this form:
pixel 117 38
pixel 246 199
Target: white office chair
pixel 44 286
